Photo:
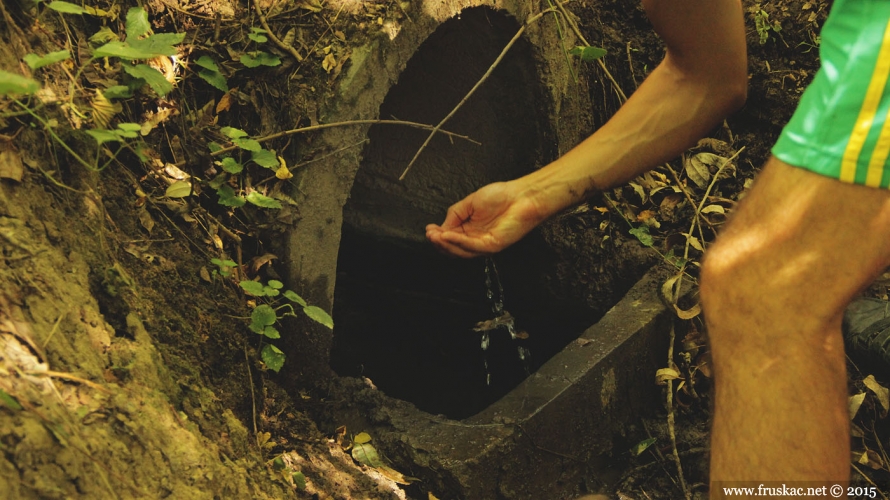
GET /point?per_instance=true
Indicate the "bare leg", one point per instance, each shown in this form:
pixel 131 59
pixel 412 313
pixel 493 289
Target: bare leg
pixel 774 288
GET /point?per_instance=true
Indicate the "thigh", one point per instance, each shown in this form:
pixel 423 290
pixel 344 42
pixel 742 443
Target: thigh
pixel 812 239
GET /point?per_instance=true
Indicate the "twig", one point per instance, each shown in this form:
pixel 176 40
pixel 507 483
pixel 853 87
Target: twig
pixel 309 162
pixel 571 22
pixel 339 124
pixel 252 394
pixel 54 329
pixel 272 36
pixel 675 454
pixel 72 378
pixel 491 68
pixel 869 481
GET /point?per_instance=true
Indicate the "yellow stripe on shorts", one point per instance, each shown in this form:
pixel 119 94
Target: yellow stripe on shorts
pixel 864 122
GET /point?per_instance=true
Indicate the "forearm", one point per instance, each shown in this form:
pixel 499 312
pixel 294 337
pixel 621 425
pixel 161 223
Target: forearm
pixel 702 80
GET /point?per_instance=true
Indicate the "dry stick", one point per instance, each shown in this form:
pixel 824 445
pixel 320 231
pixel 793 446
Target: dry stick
pixel 275 39
pixel 869 481
pixel 675 454
pixel 491 68
pixel 252 394
pixel 339 124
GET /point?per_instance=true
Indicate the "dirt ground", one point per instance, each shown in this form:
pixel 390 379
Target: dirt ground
pixel 127 369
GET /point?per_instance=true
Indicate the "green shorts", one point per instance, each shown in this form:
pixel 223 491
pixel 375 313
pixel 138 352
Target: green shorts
pixel 841 127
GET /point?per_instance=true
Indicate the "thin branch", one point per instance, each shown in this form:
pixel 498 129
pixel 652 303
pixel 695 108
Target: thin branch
pixel 571 22
pixel 491 68
pixel 272 36
pixel 301 130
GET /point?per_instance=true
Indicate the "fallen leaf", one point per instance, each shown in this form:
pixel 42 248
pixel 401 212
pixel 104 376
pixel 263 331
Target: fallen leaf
pixel 362 438
pixel 880 391
pixel 204 274
pixel 855 403
pixel 639 190
pixel 257 262
pixel 366 454
pixel 312 5
pixel 688 313
pixel 225 103
pixel 694 242
pixel 583 342
pixel 395 475
pixel 329 62
pixel 698 171
pixel 664 374
pixel 11 165
pixel 145 219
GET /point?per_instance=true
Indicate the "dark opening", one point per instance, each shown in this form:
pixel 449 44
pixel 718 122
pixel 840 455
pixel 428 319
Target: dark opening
pixel 405 314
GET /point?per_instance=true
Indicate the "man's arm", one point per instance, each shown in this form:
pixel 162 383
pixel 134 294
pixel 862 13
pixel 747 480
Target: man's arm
pixel 702 78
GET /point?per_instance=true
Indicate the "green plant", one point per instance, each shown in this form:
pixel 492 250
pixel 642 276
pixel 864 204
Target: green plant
pixel 224 267
pixel 264 316
pixel 764 26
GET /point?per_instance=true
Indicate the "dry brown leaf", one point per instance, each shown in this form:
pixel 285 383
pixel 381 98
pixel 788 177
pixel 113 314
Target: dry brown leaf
pixel 257 262
pixel 880 391
pixel 145 219
pixel 395 475
pixel 104 110
pixel 713 209
pixel 312 5
pixel 694 242
pixel 11 165
pixel 664 374
pixel 329 62
pixel 639 190
pixel 204 274
pixel 855 403
pixel 155 119
pixel 697 168
pixel 688 313
pixel 225 103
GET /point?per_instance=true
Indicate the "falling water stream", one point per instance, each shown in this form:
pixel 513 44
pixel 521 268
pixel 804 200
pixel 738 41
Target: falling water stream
pixel 502 320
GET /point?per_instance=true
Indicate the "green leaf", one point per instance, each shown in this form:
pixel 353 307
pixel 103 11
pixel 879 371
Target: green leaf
pixel 259 59
pixel 66 7
pixel 254 288
pixel 11 83
pixel 103 35
pixel 231 165
pixel 37 62
pixel 103 136
pixel 366 454
pixel 9 401
pixel 271 332
pixel 275 284
pixel 278 463
pixel 319 315
pixel 227 197
pixel 264 315
pixel 118 92
pixel 299 480
pixel 161 44
pixel 268 291
pixel 265 158
pixel 219 180
pixel 232 132
pixel 137 22
pixel 262 200
pixel 133 127
pixel 588 54
pixel 293 297
pixel 214 146
pixel 247 144
pixel 273 357
pixel 154 78
pixel 642 234
pixel 207 62
pixel 121 49
pixel 215 79
pixel 179 189
pixel 642 446
pixel 256 34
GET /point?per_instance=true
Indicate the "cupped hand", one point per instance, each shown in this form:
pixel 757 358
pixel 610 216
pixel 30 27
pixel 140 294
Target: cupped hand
pixel 486 222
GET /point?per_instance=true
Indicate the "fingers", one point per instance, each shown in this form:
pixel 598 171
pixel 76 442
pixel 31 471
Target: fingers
pixel 452 243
